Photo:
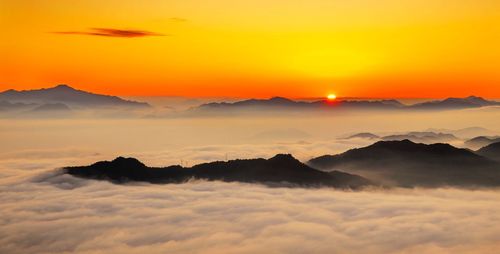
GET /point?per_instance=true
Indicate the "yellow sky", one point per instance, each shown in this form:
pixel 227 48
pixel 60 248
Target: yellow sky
pixel 257 48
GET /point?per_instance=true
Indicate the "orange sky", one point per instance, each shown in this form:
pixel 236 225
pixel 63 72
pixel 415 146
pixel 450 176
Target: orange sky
pixel 259 48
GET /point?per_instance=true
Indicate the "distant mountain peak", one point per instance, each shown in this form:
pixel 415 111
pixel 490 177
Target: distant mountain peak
pixel 481 141
pixel 278 98
pixel 394 143
pixel 10 91
pixel 128 162
pixel 408 146
pixel 63 87
pixel 68 95
pixel 474 97
pixel 456 103
pixel 284 158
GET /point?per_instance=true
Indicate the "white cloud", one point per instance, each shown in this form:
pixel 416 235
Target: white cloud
pixel 45 212
pixel 41 215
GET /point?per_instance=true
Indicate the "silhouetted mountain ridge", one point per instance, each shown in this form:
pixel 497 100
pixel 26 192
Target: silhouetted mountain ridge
pixel 280 103
pixel 455 103
pixel 282 168
pixel 422 137
pixel 365 135
pixel 426 137
pixel 491 151
pixel 69 96
pixel 405 163
pixel 465 132
pixel 481 141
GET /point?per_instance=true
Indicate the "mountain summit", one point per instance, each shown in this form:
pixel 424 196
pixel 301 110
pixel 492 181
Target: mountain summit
pixel 491 151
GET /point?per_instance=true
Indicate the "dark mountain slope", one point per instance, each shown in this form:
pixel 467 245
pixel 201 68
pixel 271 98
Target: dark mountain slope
pixel 426 137
pixel 481 141
pixel 455 103
pixel 404 163
pixel 279 169
pixel 422 137
pixel 491 151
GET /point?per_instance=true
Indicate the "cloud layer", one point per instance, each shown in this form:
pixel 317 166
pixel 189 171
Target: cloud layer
pixel 112 32
pixel 46 212
pixel 53 213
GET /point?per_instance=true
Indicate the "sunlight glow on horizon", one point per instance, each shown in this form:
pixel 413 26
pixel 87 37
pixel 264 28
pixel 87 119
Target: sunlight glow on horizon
pixel 331 97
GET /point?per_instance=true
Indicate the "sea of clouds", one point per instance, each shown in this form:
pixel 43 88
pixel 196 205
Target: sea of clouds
pixel 44 211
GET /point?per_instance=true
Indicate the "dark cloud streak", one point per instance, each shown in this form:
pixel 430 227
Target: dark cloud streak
pixel 111 32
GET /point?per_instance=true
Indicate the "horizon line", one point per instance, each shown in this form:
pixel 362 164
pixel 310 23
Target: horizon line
pixel 339 97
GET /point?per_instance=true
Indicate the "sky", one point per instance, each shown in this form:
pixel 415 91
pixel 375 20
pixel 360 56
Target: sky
pixel 198 48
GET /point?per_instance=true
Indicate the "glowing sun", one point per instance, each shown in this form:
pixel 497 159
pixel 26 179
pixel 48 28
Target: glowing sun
pixel 331 97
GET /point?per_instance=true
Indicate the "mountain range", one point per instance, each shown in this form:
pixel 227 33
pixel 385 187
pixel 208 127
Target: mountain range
pixel 481 141
pixel 282 104
pixel 384 163
pixel 491 151
pixel 464 133
pixel 77 99
pixel 455 103
pixel 427 137
pixel 60 97
pixel 280 169
pixel 408 164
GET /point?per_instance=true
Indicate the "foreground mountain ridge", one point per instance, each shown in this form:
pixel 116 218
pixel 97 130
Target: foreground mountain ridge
pixel 409 164
pixel 282 168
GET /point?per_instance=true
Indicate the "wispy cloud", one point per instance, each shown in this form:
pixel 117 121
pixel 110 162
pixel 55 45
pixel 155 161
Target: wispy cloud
pixel 111 32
